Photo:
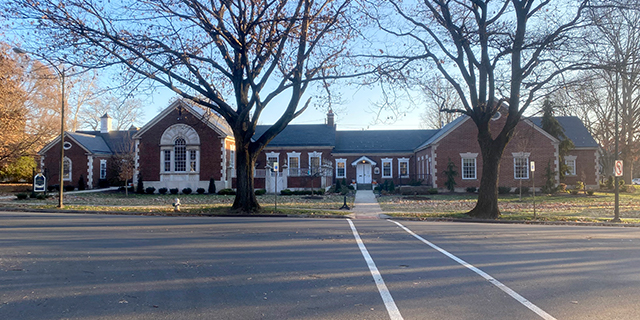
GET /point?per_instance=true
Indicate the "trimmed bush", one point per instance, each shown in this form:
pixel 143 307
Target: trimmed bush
pixel 227 192
pixel 590 192
pixel 174 190
pixel 103 183
pixel 260 192
pixel 504 190
pixel 562 187
pixel 22 196
pixel 472 189
pixel 524 190
pixel 433 191
pixel 186 191
pixel 69 188
pixel 286 192
pixel 163 190
pixel 150 190
pixel 140 185
pixel 200 190
pixel 53 187
pixel 575 192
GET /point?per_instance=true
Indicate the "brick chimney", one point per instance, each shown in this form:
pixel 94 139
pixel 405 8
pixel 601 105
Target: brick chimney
pixel 105 123
pixel 330 121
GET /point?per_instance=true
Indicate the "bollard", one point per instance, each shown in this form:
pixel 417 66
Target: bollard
pixel 176 205
pixel 345 206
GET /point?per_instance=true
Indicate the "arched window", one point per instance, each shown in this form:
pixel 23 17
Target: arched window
pixel 66 169
pixel 180 155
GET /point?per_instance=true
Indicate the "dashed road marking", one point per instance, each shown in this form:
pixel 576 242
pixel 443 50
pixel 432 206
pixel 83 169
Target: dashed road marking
pixel 483 274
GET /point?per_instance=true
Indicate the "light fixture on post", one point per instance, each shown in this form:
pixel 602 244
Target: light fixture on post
pixel 61 75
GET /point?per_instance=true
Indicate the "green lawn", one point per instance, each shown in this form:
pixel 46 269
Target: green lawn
pixel 563 207
pixel 190 204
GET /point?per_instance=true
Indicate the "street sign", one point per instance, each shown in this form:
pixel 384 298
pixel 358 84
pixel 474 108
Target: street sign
pixel 617 169
pixel 275 166
pixel 39 183
pixel 533 166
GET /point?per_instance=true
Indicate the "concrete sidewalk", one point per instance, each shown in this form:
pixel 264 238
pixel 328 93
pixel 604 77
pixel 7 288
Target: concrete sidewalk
pixel 366 206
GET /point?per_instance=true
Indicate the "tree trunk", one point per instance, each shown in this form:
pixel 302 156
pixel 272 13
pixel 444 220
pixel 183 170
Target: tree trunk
pixel 245 201
pixel 487 205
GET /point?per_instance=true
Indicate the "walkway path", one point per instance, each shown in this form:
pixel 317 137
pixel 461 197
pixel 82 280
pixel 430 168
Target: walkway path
pixel 366 206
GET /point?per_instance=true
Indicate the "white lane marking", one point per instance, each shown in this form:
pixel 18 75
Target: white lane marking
pixel 392 309
pixel 483 274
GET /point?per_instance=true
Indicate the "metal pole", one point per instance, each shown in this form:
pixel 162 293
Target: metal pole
pixel 61 202
pixel 276 193
pixel 533 182
pixel 616 217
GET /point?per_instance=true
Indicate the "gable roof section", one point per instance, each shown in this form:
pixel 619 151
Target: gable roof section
pixel 213 120
pixel 93 144
pixel 316 135
pixel 574 129
pixel 380 141
pixel 443 132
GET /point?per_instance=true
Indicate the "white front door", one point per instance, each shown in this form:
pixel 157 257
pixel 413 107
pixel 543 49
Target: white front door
pixel 363 170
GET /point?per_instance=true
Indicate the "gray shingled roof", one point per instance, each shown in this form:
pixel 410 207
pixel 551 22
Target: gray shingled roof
pixel 95 144
pixel 116 141
pixel 380 141
pixel 301 135
pixel 574 129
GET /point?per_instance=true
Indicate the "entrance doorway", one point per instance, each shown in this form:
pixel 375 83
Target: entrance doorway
pixel 363 171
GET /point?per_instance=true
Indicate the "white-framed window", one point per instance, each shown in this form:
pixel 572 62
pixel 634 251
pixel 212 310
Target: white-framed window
pixel 403 167
pixel 66 169
pixel 273 157
pixel 387 168
pixel 193 163
pixel 521 165
pixel 469 166
pixel 570 161
pixel 469 169
pixel 167 160
pixel 103 169
pixel 180 150
pixel 232 157
pixel 180 155
pixel 294 163
pixel 341 168
pixel 315 159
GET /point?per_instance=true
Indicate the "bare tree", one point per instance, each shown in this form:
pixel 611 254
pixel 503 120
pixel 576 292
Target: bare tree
pixel 439 96
pixel 494 53
pixel 234 57
pixel 125 113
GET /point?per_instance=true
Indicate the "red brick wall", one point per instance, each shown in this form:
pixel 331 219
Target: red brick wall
pixel 585 168
pixel 78 158
pixel 210 147
pixel 464 139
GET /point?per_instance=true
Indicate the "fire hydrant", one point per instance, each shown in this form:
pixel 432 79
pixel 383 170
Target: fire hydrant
pixel 176 205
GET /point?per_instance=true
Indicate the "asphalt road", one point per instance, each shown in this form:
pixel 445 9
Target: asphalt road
pixel 55 266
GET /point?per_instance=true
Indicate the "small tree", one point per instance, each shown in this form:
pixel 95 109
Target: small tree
pixel 140 186
pixel 549 179
pixel 81 184
pixel 451 173
pixel 212 186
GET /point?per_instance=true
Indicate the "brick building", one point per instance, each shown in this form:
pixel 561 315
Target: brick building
pixel 186 146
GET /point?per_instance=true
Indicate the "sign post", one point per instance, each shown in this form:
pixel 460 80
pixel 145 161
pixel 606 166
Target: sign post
pixel 275 201
pixel 533 183
pixel 617 173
